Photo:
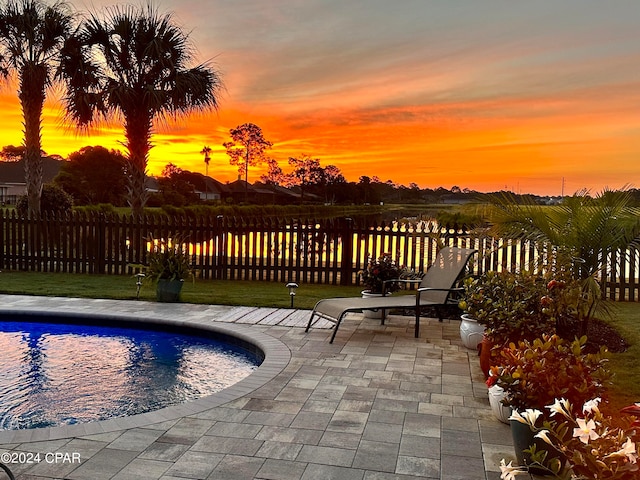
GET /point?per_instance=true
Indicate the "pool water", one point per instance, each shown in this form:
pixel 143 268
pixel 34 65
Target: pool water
pixel 60 374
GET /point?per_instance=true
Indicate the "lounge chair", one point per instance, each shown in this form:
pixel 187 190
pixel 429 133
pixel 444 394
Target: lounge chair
pixel 434 290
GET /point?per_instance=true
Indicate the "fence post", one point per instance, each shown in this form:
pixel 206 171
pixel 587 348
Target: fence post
pixel 346 260
pixel 220 267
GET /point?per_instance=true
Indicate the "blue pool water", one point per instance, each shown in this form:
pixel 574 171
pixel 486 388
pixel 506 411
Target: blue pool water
pixel 59 374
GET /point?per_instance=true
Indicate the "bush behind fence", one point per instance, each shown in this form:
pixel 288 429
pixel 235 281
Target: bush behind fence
pixel 301 250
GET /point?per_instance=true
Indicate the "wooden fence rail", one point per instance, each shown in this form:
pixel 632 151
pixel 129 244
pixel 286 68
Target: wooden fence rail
pixel 303 250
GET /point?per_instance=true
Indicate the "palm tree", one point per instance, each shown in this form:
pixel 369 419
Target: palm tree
pixel 31 37
pixel 206 151
pixel 134 66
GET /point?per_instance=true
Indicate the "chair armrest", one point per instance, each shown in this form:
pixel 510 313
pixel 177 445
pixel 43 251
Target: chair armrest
pixel 427 289
pixel 424 289
pixel 398 280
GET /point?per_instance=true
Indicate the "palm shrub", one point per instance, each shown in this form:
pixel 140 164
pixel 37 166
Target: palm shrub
pixel 168 259
pixel 573 239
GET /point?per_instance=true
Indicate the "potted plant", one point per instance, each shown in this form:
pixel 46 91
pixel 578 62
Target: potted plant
pixel 377 279
pixel 592 445
pixel 168 264
pixel 534 373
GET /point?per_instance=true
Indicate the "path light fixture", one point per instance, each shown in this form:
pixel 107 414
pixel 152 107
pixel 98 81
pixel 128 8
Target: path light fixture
pixel 139 278
pixel 292 291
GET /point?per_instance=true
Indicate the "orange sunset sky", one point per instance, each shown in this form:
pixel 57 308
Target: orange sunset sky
pixel 483 94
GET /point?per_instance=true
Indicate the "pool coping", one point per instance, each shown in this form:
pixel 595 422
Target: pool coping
pixel 276 357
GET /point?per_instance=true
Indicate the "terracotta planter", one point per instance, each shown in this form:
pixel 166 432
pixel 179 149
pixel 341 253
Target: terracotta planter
pixel 471 332
pixel 375 314
pixel 485 355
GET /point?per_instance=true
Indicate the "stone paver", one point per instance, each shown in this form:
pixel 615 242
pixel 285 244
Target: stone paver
pixel 375 405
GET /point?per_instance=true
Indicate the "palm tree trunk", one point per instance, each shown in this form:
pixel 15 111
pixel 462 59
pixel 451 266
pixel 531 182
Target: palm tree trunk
pixel 33 79
pixel 138 134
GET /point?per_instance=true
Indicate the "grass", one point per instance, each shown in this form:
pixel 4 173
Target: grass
pixel 221 292
pixel 626 366
pixel 626 382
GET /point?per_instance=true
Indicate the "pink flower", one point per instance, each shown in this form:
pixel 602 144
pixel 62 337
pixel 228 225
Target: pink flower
pixel 585 431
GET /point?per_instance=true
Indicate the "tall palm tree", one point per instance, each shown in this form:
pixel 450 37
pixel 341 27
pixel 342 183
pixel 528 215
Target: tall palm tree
pixel 31 37
pixel 133 65
pixel 206 151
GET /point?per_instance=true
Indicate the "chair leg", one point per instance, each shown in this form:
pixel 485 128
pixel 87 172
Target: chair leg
pixel 335 330
pixel 313 313
pixel 439 313
pixel 417 334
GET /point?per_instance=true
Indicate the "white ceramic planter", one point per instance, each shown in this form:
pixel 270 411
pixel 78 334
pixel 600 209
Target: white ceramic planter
pixel 501 412
pixel 376 314
pixel 470 332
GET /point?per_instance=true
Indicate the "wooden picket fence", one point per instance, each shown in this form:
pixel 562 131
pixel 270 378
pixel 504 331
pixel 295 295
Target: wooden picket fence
pixel 303 250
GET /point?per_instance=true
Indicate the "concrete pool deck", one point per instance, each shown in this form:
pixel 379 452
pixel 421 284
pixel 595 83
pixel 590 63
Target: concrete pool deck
pixel 377 404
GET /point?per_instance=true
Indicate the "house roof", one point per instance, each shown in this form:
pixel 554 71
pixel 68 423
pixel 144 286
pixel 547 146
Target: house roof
pixel 13 172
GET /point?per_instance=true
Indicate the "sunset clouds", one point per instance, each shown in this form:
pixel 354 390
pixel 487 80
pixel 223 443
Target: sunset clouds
pixel 481 94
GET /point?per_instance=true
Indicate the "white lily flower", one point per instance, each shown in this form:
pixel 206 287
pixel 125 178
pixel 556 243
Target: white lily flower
pixel 560 406
pixel 515 415
pixel 591 405
pixel 531 415
pixel 508 471
pixel 544 435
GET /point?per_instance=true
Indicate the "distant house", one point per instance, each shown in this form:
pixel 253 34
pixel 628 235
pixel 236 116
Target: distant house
pixel 213 190
pixel 12 181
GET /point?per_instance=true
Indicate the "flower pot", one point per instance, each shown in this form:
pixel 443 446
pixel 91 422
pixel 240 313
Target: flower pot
pixel 471 332
pixel 169 290
pixel 501 412
pixel 523 439
pixel 485 355
pixel 375 314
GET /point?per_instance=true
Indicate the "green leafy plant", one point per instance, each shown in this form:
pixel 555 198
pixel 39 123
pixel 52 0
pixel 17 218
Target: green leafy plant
pixel 168 259
pixel 508 305
pixel 533 374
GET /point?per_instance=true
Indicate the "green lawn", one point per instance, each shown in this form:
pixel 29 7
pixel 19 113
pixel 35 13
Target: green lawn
pixel 222 292
pixel 626 366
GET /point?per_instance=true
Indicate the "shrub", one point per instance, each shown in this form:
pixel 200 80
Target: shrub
pixel 53 200
pixel 534 374
pixel 508 305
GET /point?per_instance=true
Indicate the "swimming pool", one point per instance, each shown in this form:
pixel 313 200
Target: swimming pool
pixel 64 372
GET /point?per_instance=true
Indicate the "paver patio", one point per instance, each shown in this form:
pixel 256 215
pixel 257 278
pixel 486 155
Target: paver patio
pixel 377 404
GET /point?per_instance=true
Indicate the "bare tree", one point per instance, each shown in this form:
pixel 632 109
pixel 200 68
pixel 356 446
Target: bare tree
pixel 247 148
